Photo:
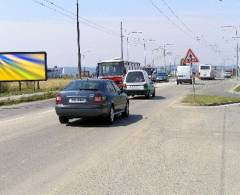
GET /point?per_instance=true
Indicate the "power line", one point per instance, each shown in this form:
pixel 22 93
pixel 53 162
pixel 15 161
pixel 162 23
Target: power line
pixel 53 9
pixel 189 30
pixel 168 18
pixel 176 16
pixel 60 10
pixel 81 18
pixel 71 15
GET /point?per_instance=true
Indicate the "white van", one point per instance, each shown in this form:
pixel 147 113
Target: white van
pixel 184 74
pixel 206 72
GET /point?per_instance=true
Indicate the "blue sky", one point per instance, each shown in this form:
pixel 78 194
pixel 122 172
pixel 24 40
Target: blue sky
pixel 29 26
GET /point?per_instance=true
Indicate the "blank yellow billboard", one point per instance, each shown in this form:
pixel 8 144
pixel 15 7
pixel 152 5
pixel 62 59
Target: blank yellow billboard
pixel 23 66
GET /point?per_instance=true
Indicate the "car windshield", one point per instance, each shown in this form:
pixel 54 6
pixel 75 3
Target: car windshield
pixel 84 85
pixel 135 77
pixel 110 69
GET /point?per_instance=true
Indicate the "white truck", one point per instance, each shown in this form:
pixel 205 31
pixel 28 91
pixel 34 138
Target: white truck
pixel 184 74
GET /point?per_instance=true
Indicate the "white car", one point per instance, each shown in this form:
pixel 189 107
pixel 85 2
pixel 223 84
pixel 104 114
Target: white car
pixel 137 82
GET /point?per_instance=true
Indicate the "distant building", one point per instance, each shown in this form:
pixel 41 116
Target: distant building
pixel 60 72
pixel 55 72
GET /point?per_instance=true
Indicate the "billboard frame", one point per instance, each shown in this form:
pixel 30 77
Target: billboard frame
pixel 35 52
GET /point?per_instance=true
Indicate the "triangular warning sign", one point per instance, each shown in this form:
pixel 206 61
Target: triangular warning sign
pixel 191 58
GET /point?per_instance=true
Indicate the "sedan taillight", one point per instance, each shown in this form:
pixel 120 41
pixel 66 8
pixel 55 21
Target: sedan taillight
pixel 98 98
pixel 58 99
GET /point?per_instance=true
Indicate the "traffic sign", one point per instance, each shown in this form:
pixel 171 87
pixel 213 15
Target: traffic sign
pixel 191 58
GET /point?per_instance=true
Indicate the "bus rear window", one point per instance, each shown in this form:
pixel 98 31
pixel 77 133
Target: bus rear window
pixel 205 67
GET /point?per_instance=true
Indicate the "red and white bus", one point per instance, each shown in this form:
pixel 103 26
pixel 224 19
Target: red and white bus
pixel 115 70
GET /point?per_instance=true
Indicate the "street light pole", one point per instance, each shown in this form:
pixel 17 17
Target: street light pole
pixel 153 56
pixel 145 53
pixel 145 49
pixel 237 54
pixel 127 48
pixel 122 41
pixel 164 56
pixel 134 32
pixel 237 64
pixel 78 44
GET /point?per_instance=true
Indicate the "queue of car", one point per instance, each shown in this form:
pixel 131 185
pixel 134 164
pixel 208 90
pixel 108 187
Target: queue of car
pixel 101 97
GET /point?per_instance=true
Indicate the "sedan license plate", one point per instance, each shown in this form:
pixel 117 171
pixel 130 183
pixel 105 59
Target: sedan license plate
pixel 134 87
pixel 77 100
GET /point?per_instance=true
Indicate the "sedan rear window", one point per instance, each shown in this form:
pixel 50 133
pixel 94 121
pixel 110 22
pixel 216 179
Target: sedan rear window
pixel 135 77
pixel 84 85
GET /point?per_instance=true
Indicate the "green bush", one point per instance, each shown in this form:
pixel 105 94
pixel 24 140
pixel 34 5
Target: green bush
pixel 4 87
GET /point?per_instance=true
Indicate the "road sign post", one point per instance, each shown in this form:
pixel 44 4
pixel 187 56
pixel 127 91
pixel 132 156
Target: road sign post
pixel 190 59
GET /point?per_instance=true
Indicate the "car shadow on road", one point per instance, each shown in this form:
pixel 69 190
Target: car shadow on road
pixel 99 122
pixel 150 98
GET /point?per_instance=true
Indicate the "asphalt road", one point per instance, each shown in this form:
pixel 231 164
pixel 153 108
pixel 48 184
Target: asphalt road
pixel 162 148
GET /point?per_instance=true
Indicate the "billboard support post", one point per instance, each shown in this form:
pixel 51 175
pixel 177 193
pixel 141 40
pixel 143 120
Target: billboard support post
pixel 20 86
pixel 38 85
pixel 34 86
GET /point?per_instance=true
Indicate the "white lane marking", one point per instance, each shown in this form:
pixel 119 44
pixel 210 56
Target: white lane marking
pixel 23 117
pixel 46 112
pixel 12 120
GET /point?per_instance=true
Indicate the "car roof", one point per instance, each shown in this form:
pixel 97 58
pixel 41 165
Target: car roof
pixel 137 71
pixel 95 80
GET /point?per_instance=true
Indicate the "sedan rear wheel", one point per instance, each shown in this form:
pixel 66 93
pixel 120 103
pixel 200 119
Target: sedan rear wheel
pixel 154 93
pixel 63 120
pixel 126 111
pixel 147 95
pixel 111 116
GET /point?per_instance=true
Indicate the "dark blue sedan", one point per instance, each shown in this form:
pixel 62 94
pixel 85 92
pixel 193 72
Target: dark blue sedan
pixel 91 98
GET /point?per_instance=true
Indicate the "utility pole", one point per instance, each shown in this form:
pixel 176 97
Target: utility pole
pixel 122 41
pixel 237 54
pixel 164 55
pixel 78 44
pixel 145 54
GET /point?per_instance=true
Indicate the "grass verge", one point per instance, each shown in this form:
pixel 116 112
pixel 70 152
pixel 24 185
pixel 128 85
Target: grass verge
pixel 206 100
pixel 32 98
pixel 11 88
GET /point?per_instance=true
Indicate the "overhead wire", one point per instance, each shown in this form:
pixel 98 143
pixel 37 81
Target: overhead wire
pixel 81 18
pixel 71 15
pixel 60 10
pixel 183 24
pixel 170 20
